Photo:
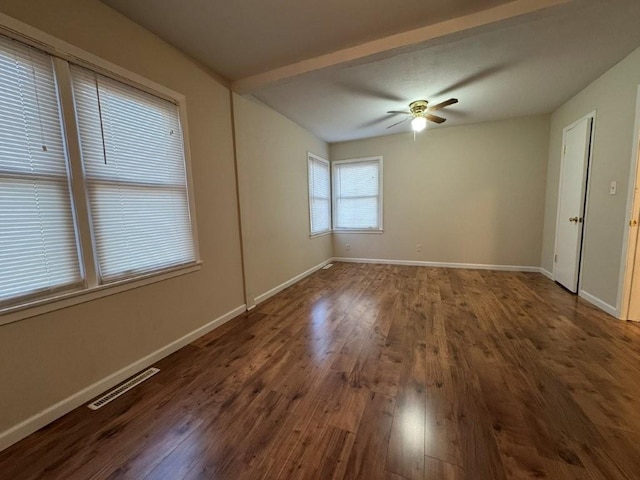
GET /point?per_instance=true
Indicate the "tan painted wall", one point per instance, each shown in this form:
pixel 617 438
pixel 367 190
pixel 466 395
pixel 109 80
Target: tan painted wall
pixel 47 358
pixel 613 97
pixel 469 194
pixel 272 169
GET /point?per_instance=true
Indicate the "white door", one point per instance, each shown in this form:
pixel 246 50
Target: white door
pixel 573 184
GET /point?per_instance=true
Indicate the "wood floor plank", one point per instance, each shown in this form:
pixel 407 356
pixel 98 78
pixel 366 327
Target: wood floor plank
pixel 367 457
pixel 374 372
pixel 322 453
pixel 437 469
pixel 563 471
pixel 480 453
pixel 405 455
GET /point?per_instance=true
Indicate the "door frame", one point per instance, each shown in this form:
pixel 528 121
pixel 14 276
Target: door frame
pixel 630 238
pixel 585 216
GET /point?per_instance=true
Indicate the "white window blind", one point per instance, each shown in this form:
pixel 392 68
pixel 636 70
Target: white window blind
pixel 357 186
pixel 38 246
pixel 319 194
pixel 132 152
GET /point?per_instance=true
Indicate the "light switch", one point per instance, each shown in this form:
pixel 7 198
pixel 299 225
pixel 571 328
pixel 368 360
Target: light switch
pixel 613 188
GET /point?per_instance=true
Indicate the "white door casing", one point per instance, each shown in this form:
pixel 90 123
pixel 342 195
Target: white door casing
pixel 571 203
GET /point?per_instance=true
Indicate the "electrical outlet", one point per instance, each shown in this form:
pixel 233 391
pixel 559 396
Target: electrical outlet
pixel 347 246
pixel 418 247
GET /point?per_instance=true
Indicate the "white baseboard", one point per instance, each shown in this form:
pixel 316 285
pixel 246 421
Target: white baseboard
pixel 546 273
pixel 417 263
pixel 611 310
pixel 39 420
pixel 474 266
pixel 288 283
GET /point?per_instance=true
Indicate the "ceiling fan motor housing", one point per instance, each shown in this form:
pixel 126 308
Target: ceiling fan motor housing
pixel 419 107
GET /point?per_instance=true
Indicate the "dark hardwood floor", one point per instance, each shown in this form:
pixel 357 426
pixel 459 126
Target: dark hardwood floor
pixel 374 372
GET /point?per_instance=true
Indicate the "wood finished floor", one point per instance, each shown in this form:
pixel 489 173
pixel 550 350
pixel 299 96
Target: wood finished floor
pixel 374 372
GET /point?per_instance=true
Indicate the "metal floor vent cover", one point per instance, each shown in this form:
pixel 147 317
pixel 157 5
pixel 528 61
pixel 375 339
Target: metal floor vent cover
pixel 327 266
pixel 116 392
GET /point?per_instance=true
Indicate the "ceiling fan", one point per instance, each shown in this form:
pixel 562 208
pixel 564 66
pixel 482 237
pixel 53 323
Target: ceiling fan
pixel 420 113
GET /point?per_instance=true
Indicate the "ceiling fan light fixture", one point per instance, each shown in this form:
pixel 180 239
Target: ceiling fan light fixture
pixel 418 123
pixel 420 112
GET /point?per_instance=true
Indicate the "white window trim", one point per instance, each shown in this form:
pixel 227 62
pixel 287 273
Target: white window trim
pixel 321 234
pixel 91 289
pixel 318 158
pixel 367 231
pixel 380 228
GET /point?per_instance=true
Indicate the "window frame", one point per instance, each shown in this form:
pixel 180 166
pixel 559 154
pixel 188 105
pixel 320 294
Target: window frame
pixel 52 175
pixel 380 227
pixel 311 157
pixel 63 55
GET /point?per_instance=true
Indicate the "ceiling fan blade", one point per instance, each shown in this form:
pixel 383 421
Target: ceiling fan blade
pixel 398 123
pixel 435 118
pixel 396 112
pixel 441 105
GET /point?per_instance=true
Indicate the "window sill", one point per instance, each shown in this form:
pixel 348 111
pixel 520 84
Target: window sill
pixel 67 299
pixel 320 234
pixel 362 230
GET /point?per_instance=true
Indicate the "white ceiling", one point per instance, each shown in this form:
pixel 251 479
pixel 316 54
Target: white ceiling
pixel 520 66
pixel 239 38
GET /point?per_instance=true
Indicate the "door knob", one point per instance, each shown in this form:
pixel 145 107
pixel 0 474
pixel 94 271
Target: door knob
pixel 574 219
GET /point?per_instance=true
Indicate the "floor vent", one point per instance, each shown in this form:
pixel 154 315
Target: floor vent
pixel 327 266
pixel 116 392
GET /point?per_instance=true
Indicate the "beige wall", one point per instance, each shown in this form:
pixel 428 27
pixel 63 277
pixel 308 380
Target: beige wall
pixel 47 358
pixel 613 97
pixel 272 170
pixel 469 194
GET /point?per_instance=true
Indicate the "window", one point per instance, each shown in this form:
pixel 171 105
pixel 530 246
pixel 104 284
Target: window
pixel 357 194
pixel 114 209
pixel 319 194
pixel 38 250
pixel 134 166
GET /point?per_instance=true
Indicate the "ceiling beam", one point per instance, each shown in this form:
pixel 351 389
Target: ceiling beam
pixel 375 48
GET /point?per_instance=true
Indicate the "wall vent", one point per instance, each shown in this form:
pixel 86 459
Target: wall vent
pixel 327 266
pixel 128 385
